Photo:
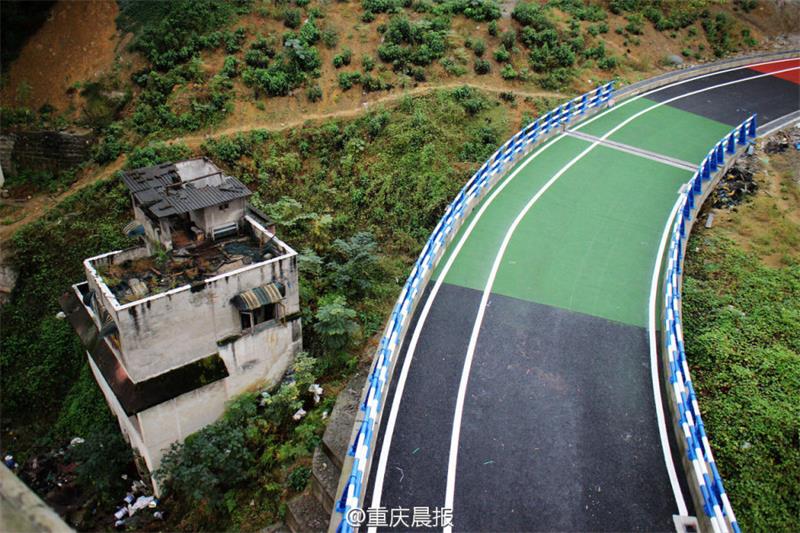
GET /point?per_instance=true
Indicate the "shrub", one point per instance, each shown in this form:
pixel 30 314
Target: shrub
pixel 335 323
pixel 508 72
pixel 347 79
pixel 608 63
pixel 291 18
pixel 482 66
pixel 509 38
pixel 532 15
pixel 501 55
pixel 230 67
pixel 479 47
pixel 635 24
pixel 330 38
pixel 298 477
pixel 557 78
pixel 492 28
pixel 343 58
pixel 314 93
pixel 367 63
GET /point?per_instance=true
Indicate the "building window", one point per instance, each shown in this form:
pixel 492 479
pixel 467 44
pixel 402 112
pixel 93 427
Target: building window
pixel 223 207
pixel 257 316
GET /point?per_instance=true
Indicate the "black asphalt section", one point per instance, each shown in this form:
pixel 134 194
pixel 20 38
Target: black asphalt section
pixel 769 96
pixel 416 473
pixel 571 441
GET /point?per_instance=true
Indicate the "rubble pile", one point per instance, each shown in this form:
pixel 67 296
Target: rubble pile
pixel 737 184
pixel 782 141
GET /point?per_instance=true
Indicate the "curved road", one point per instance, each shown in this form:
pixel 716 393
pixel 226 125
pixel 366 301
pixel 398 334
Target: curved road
pixel 526 397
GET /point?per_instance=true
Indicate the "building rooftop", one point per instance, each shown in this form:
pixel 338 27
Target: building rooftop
pixel 148 275
pixel 176 188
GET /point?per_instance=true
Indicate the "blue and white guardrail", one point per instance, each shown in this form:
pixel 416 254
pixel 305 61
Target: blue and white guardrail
pixel 704 472
pixel 455 214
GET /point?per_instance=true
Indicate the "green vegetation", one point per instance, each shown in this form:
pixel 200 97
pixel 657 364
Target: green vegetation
pixel 742 331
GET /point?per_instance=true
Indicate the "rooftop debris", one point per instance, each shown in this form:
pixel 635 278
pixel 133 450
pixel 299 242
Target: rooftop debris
pixel 139 278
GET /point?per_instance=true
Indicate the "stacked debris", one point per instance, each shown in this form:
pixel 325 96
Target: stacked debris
pixel 137 499
pixel 737 184
pixel 782 141
pixel 136 279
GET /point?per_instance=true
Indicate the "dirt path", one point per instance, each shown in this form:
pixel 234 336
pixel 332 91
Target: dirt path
pixel 194 141
pixel 39 204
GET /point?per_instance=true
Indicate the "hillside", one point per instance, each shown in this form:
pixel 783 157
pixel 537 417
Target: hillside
pixel 352 122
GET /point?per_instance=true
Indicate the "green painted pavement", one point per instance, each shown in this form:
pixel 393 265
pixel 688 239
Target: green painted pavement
pixel 588 244
pixel 475 258
pixel 665 130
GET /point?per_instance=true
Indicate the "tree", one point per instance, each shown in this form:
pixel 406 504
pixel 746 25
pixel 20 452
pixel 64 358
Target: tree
pixel 335 323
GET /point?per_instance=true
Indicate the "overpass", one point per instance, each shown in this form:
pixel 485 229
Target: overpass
pixel 531 376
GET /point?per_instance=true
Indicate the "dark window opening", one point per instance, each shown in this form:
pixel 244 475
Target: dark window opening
pixel 257 316
pixel 223 207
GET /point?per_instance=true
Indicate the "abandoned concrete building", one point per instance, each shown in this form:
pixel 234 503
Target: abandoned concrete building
pixel 206 308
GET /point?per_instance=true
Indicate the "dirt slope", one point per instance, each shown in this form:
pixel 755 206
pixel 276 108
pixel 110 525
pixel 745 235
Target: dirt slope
pixel 78 42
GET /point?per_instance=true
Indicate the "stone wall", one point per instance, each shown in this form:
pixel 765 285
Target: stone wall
pixel 52 151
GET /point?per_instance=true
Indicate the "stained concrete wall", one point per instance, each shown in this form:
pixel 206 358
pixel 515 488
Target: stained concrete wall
pixel 22 510
pixel 259 358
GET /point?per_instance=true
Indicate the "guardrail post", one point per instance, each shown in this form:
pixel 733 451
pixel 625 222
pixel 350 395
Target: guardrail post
pixel 743 134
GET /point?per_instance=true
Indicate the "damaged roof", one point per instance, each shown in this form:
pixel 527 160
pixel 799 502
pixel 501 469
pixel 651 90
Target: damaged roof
pixel 176 188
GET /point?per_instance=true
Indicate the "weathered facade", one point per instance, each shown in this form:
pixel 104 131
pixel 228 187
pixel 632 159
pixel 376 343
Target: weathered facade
pixel 207 308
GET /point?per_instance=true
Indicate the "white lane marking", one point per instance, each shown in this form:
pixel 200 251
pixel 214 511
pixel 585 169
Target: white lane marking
pixel 462 389
pixel 640 152
pixel 651 325
pixel 412 346
pixel 397 398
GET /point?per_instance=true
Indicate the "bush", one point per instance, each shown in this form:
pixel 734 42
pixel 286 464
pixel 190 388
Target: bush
pixel 335 324
pixel 330 38
pixel 479 47
pixel 557 79
pixel 367 63
pixel 492 28
pixel 501 55
pixel 230 67
pixel 509 38
pixel 482 66
pixel 635 24
pixel 608 63
pixel 532 15
pixel 546 58
pixel 342 59
pixel 314 93
pixel 347 79
pixel 508 72
pixel 291 18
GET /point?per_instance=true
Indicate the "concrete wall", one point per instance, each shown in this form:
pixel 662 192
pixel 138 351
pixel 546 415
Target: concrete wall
pixel 214 217
pixel 260 358
pixel 44 150
pixel 22 510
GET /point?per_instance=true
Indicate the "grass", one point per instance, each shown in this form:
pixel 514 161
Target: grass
pixel 742 330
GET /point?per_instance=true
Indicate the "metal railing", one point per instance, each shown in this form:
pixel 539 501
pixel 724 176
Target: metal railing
pixel 362 444
pixel 702 473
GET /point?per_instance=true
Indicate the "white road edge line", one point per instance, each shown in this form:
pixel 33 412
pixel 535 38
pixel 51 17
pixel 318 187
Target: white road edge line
pixel 397 398
pixel 390 424
pixel 462 389
pixel 651 326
